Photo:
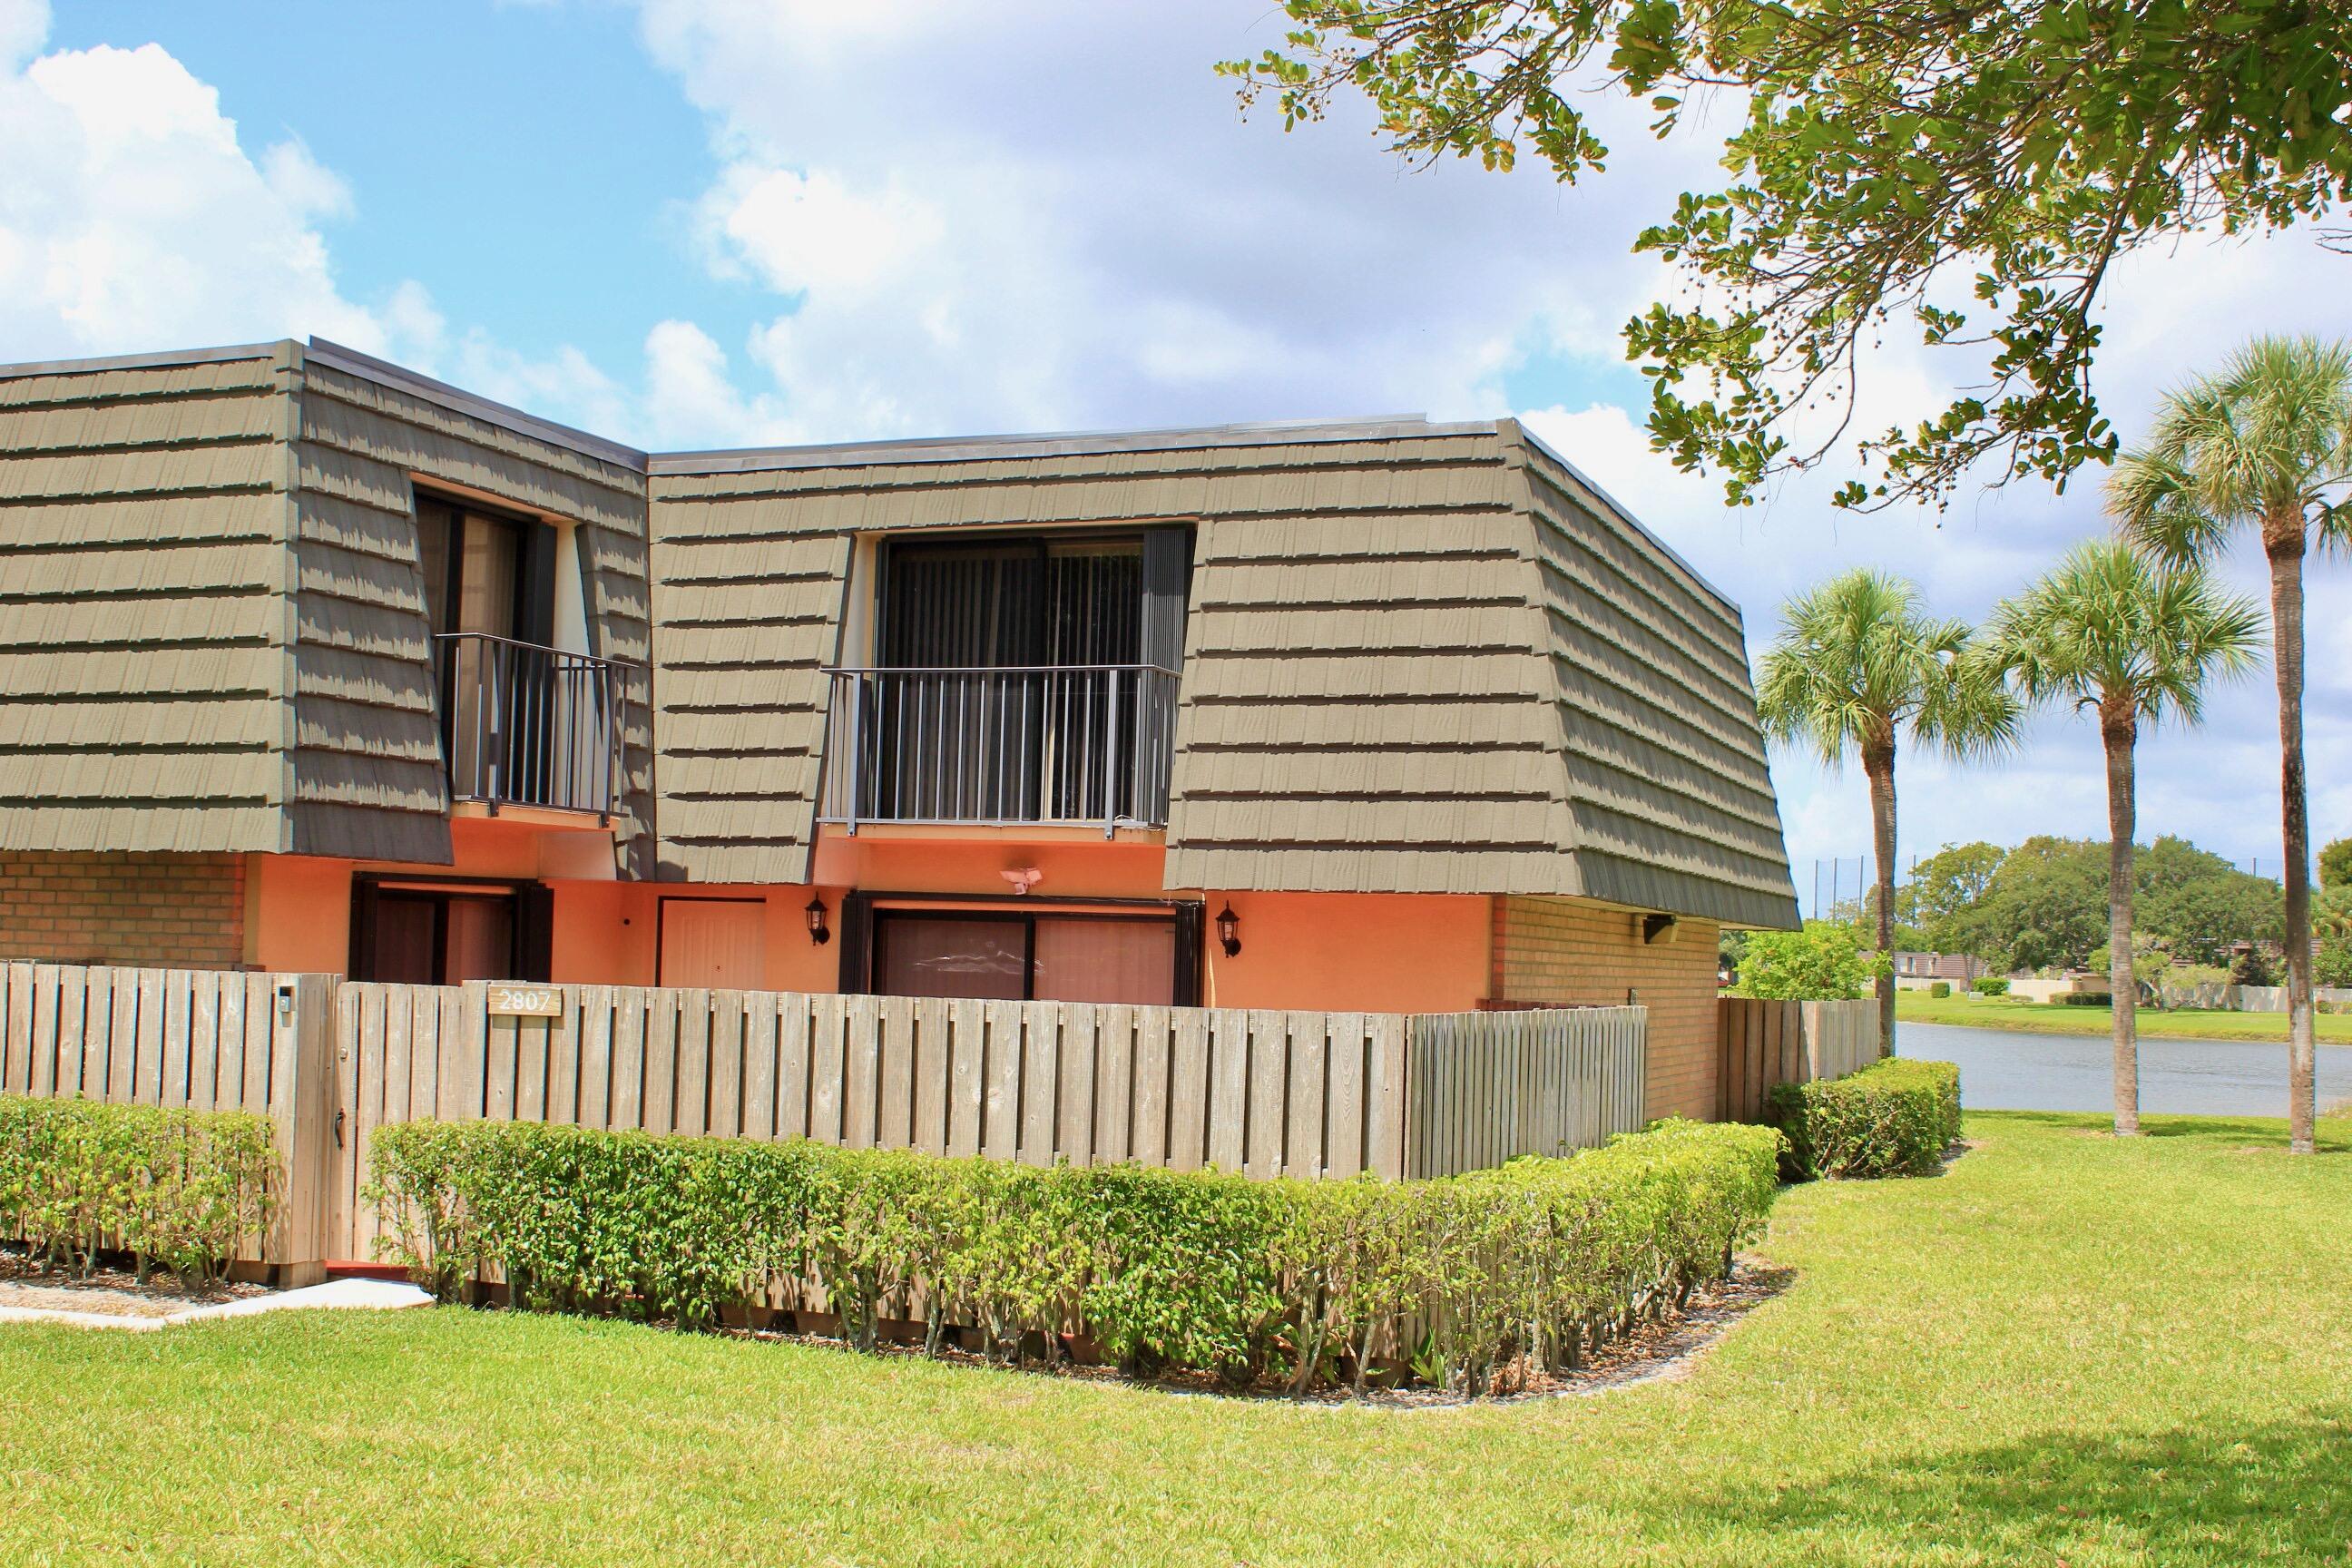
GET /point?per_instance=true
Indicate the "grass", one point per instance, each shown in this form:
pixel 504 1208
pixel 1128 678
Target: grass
pixel 2038 1018
pixel 2067 1348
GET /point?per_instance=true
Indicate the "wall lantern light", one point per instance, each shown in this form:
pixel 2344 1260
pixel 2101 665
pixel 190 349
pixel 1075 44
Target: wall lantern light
pixel 1229 931
pixel 818 933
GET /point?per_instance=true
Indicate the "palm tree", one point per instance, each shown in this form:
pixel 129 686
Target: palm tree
pixel 1858 661
pixel 2266 444
pixel 2137 642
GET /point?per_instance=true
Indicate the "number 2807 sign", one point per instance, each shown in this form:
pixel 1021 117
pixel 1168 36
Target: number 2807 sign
pixel 525 1001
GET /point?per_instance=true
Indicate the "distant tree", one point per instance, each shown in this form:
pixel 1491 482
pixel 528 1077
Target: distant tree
pixel 1858 662
pixel 2264 445
pixel 1885 148
pixel 2335 864
pixel 1945 886
pixel 1729 947
pixel 2332 919
pixel 2136 643
pixel 2200 904
pixel 1822 961
pixel 2044 908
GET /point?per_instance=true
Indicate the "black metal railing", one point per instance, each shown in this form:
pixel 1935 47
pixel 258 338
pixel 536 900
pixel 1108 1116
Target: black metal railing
pixel 527 725
pixel 1048 743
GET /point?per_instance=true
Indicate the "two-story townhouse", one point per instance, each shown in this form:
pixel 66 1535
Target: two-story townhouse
pixel 307 662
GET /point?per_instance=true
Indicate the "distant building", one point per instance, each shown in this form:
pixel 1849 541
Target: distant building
pixel 1918 971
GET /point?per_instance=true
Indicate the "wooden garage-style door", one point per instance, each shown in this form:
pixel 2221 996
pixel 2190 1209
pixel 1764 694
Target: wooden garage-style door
pixel 718 942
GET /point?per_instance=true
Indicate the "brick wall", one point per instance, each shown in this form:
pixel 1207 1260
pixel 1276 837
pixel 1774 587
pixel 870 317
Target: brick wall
pixel 1561 951
pixel 161 911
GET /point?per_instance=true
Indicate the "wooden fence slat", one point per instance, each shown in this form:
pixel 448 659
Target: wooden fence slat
pixel 967 1102
pixel 1041 1080
pixel 1227 1090
pixel 931 1065
pixel 1113 1083
pixel 894 1074
pixel 664 1054
pixel 1305 1129
pixel 1073 1119
pixel 723 1082
pixel 828 1067
pixel 692 1031
pixel 861 1074
pixel 1154 1044
pixel 1000 1136
pixel 796 1041
pixel 759 1109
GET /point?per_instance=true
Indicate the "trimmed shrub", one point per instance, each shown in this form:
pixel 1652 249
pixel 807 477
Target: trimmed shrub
pixel 179 1189
pixel 1991 985
pixel 1894 1118
pixel 1294 1281
pixel 2085 999
pixel 1939 989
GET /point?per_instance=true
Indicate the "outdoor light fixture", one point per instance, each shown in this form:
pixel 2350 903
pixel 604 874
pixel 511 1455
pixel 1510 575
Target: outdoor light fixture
pixel 1657 928
pixel 818 934
pixel 1229 931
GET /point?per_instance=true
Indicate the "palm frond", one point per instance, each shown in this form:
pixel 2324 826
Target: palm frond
pixel 2110 628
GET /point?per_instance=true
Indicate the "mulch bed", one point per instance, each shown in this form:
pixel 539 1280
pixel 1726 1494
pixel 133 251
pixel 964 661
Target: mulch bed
pixel 1666 1350
pixel 112 1290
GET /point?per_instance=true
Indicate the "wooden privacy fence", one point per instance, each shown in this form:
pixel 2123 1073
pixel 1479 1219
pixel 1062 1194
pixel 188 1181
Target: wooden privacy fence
pixel 1761 1043
pixel 1265 1093
pixel 1486 1087
pixel 192 1038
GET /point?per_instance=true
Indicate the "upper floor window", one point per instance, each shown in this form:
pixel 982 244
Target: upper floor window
pixel 485 572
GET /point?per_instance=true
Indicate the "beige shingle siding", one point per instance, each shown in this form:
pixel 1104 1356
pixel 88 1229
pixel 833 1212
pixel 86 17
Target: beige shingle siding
pixel 367 781
pixel 144 517
pixel 750 610
pixel 1362 682
pixel 1674 804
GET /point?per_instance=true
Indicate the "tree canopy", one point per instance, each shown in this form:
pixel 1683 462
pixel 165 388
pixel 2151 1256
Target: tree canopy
pixel 1825 961
pixel 1965 170
pixel 2045 903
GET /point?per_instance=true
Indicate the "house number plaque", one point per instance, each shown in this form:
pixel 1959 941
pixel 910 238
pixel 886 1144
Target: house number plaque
pixel 526 1002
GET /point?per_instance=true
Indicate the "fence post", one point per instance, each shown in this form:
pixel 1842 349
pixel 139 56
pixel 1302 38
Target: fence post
pixel 302 1098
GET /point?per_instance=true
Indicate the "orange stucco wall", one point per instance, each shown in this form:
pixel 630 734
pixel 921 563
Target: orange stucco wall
pixel 1343 951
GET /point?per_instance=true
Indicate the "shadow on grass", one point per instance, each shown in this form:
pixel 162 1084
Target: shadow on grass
pixel 2228 1495
pixel 2224 1132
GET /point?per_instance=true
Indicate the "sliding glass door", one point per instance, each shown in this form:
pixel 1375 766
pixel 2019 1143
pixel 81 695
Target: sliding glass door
pixel 1016 955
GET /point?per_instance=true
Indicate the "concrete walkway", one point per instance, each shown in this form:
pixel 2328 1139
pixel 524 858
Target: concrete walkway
pixel 380 1294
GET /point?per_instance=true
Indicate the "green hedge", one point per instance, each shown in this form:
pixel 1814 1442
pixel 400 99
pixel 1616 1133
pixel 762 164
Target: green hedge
pixel 1161 1269
pixel 1991 985
pixel 1894 1118
pixel 2085 999
pixel 1939 989
pixel 179 1189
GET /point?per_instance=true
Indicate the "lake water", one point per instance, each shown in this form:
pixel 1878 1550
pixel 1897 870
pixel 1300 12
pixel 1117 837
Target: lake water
pixel 2004 1070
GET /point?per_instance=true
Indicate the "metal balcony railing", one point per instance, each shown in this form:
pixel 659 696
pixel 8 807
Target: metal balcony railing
pixel 527 725
pixel 1063 744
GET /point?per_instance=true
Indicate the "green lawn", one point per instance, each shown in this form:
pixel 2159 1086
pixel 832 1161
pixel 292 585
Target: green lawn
pixel 2066 1350
pixel 2001 1013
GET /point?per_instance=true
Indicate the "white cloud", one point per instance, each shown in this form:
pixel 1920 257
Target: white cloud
pixel 132 218
pixel 1044 217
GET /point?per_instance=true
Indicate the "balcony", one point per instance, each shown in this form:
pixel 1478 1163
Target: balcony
pixel 1065 745
pixel 525 725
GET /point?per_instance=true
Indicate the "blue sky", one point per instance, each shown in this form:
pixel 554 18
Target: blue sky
pixel 691 222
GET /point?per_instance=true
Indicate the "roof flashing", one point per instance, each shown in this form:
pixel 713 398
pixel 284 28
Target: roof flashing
pixel 1058 444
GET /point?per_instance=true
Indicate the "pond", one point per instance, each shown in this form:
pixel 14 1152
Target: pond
pixel 2006 1069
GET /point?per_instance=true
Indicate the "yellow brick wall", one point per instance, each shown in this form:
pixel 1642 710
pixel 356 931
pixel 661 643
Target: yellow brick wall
pixel 1566 953
pixel 161 911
